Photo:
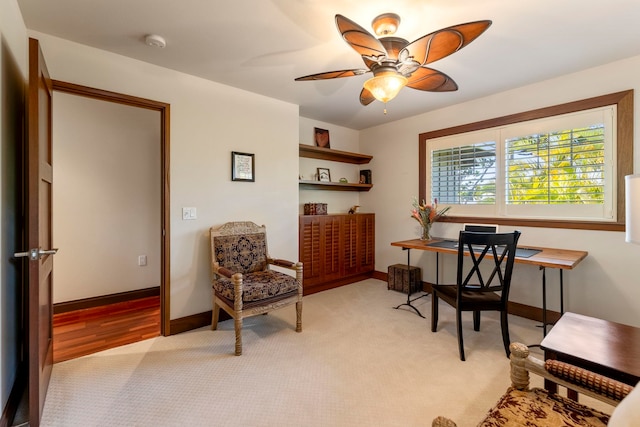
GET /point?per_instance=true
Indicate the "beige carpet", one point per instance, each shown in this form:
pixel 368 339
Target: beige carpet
pixel 358 362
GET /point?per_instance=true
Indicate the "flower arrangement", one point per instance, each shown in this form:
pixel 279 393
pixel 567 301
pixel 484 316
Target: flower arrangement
pixel 426 215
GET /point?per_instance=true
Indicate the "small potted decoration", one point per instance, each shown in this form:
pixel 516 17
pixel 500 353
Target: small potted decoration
pixel 426 215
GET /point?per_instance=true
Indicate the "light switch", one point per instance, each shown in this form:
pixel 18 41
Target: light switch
pixel 189 213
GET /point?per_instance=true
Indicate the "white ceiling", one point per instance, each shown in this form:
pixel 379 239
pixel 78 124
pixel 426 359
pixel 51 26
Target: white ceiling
pixel 262 45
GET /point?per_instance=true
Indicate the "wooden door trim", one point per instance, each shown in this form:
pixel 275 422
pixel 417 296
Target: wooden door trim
pixel 164 110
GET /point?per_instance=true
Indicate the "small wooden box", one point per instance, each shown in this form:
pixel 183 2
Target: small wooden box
pixel 315 208
pixel 401 276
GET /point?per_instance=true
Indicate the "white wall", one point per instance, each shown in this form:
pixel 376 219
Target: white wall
pixel 208 121
pixel 13 76
pixel 343 139
pixel 106 197
pixel 604 285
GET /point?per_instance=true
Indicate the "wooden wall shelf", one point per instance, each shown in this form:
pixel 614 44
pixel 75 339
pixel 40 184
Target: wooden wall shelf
pixel 334 186
pixel 313 152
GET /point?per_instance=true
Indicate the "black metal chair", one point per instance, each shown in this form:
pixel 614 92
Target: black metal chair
pixel 471 291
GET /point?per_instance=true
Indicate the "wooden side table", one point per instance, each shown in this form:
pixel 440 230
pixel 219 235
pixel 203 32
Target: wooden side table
pixel 607 348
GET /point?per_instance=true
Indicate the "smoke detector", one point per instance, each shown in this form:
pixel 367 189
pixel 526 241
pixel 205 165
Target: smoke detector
pixel 155 40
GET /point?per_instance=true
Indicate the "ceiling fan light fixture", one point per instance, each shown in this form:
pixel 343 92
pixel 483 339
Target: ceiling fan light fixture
pixel 395 62
pixel 385 24
pixel 385 85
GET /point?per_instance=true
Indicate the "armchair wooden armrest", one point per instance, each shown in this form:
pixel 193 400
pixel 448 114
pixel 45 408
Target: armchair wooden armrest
pixel 284 263
pixel 225 272
pixel 281 262
pixel 522 363
pixel 222 271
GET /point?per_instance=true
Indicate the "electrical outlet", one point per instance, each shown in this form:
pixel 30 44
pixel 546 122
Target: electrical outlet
pixel 142 260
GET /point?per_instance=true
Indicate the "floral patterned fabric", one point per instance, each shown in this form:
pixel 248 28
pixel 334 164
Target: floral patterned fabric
pixel 244 253
pixel 537 407
pixel 258 286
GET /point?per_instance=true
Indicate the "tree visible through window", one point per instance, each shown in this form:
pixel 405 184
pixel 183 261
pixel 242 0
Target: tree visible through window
pixel 555 168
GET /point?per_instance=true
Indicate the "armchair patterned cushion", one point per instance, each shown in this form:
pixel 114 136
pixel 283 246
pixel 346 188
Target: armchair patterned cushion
pixel 243 283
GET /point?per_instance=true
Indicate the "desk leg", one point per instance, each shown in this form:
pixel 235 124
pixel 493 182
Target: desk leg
pixel 544 302
pixel 544 299
pixel 561 294
pixel 409 300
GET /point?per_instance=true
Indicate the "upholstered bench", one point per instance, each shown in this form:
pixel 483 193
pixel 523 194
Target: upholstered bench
pixel 524 406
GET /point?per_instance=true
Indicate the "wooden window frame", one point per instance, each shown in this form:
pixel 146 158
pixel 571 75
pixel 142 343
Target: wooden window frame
pixel 624 145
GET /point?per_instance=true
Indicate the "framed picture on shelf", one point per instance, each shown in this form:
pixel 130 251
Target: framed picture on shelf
pixel 321 136
pixel 324 175
pixel 365 176
pixel 242 167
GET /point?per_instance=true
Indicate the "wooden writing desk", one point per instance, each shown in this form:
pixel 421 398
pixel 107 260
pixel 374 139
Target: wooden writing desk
pixel 562 259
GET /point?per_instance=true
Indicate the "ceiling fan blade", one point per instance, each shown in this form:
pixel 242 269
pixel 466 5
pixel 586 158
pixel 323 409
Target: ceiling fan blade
pixel 366 97
pixel 333 75
pixel 444 42
pixel 431 80
pixel 358 38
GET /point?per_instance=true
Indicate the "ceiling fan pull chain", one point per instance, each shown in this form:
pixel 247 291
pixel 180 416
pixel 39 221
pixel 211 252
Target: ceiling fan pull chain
pixel 385 108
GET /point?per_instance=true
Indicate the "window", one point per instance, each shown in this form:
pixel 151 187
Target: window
pixel 464 174
pixel 562 164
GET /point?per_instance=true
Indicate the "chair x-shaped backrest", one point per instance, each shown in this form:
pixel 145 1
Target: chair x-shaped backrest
pixel 500 247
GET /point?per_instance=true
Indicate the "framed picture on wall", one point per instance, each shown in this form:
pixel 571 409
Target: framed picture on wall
pixel 324 175
pixel 242 167
pixel 321 136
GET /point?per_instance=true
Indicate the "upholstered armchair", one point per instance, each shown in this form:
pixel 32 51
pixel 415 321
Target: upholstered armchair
pixel 525 406
pixel 243 282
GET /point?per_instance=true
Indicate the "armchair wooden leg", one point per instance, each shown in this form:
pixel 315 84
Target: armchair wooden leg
pixel 299 316
pixel 238 326
pixel 215 315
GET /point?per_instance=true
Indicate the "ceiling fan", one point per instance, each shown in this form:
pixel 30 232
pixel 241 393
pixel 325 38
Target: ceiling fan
pixel 395 62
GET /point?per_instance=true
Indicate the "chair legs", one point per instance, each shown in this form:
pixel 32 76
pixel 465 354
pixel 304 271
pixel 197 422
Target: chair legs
pixel 299 316
pixel 237 323
pixel 215 315
pixel 459 328
pixel 476 320
pixel 504 323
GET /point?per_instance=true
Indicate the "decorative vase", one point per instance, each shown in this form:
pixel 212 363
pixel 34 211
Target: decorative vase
pixel 426 232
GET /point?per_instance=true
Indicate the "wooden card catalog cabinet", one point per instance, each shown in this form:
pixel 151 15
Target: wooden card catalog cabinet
pixel 336 249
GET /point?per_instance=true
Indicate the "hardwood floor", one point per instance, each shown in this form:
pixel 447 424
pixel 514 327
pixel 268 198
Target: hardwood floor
pixel 81 332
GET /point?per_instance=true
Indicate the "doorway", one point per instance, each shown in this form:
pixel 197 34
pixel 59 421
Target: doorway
pixel 152 257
